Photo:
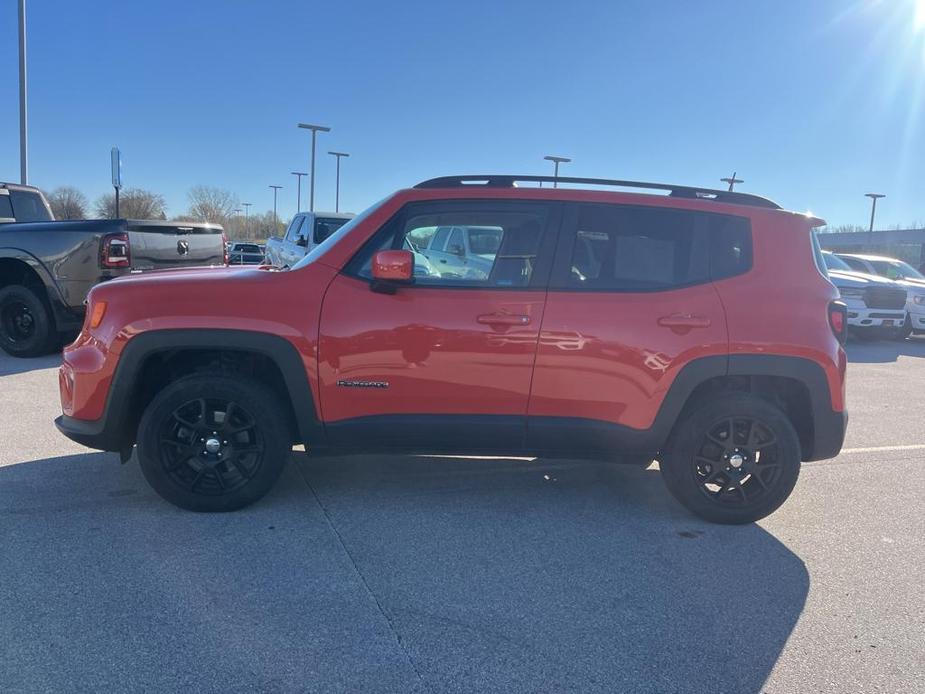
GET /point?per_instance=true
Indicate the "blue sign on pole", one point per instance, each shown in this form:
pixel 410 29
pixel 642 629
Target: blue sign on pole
pixel 116 168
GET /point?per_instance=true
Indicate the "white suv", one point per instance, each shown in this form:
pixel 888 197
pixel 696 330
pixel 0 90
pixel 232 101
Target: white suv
pixel 905 275
pixel 876 306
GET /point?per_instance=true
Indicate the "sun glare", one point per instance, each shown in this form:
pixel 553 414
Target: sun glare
pixel 919 19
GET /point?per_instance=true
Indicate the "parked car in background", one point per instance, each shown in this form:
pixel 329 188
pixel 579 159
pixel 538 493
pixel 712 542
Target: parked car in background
pixel 244 253
pixel 902 273
pixel 462 251
pixel 47 267
pixel 697 326
pixel 876 305
pixel 305 232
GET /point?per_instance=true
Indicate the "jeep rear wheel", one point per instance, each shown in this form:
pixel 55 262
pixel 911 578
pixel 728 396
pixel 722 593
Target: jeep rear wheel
pixel 213 443
pixel 734 460
pixel 26 328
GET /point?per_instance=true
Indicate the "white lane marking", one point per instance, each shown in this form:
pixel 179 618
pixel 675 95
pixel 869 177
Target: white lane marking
pixel 881 449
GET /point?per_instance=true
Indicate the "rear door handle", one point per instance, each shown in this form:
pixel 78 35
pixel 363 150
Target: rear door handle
pixel 684 320
pixel 503 319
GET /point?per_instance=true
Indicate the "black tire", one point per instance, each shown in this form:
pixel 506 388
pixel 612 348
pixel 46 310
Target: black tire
pixel 26 326
pixel 177 439
pixel 701 468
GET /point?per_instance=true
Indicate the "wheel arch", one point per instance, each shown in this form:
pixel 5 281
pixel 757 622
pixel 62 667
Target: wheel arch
pixel 154 358
pixel 796 385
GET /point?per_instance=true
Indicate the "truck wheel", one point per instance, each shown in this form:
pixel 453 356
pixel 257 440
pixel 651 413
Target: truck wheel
pixel 26 328
pixel 733 460
pixel 212 442
pixel 905 331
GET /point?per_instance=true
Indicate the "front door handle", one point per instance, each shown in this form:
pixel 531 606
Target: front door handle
pixel 684 320
pixel 503 319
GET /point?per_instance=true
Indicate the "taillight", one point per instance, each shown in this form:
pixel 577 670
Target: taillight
pixel 838 320
pixel 114 251
pixel 225 257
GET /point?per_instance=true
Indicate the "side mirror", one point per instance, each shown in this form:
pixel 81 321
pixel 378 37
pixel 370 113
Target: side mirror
pixel 302 241
pixel 392 268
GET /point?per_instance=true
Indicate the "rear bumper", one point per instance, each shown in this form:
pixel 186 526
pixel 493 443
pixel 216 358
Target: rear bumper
pixel 92 434
pixel 828 434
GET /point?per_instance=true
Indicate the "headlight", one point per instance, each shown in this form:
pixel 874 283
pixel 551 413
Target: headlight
pixel 918 299
pixel 851 293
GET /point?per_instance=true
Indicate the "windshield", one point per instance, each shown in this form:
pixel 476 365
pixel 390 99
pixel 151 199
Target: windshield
pixel 896 270
pixel 332 240
pixel 833 262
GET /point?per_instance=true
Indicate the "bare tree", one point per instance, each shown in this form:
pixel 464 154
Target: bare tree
pixel 68 203
pixel 208 204
pixel 134 203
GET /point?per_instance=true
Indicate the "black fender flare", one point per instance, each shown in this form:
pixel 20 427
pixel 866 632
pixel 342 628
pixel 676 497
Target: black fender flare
pixel 109 432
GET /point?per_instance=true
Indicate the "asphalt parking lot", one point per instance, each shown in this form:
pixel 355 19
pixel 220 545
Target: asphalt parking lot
pixel 399 574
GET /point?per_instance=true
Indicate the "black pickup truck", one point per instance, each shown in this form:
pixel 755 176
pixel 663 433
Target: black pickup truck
pixel 47 267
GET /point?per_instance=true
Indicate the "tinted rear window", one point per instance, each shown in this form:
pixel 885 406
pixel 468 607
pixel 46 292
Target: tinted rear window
pixel 28 207
pixel 621 248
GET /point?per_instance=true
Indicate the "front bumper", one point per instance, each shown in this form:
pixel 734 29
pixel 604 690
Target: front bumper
pixel 876 317
pixel 92 434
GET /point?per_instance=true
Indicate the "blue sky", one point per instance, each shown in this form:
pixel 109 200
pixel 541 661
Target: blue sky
pixel 813 103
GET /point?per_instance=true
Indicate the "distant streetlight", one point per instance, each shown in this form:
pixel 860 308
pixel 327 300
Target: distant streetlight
pixel 315 130
pixel 557 161
pixel 23 130
pixel 873 209
pixel 338 155
pixel 298 192
pixel 732 181
pixel 247 208
pixel 276 189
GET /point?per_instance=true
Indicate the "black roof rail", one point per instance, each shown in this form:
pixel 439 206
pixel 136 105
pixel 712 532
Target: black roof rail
pixel 510 181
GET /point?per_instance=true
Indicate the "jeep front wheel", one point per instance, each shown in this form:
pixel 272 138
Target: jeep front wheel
pixel 213 443
pixel 733 460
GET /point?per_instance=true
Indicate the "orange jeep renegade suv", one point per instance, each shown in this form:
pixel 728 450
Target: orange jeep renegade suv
pixel 694 326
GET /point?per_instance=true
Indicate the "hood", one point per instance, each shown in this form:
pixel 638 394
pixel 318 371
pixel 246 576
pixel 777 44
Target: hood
pixel 190 274
pixel 859 280
pixel 916 286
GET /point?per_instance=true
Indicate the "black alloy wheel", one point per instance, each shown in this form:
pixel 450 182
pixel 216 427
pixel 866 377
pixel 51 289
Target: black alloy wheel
pixel 213 442
pixel 733 458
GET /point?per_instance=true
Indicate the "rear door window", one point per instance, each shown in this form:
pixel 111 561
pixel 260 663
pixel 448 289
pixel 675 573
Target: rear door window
pixel 629 248
pixel 325 226
pixel 28 207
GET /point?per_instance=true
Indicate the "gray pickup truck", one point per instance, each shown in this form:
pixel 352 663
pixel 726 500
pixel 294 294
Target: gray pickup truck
pixel 47 267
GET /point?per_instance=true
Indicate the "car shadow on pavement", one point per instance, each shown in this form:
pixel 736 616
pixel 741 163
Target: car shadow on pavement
pixel 385 573
pixel 10 366
pixel 884 351
pixel 509 575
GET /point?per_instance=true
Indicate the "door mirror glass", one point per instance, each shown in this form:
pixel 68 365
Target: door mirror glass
pixel 393 266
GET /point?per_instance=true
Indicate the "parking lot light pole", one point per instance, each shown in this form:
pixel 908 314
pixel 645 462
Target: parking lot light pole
pixel 23 129
pixel 247 207
pixel 315 130
pixel 276 190
pixel 557 161
pixel 873 210
pixel 338 155
pixel 732 181
pixel 298 189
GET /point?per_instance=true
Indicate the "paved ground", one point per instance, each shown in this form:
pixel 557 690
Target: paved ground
pixel 392 574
